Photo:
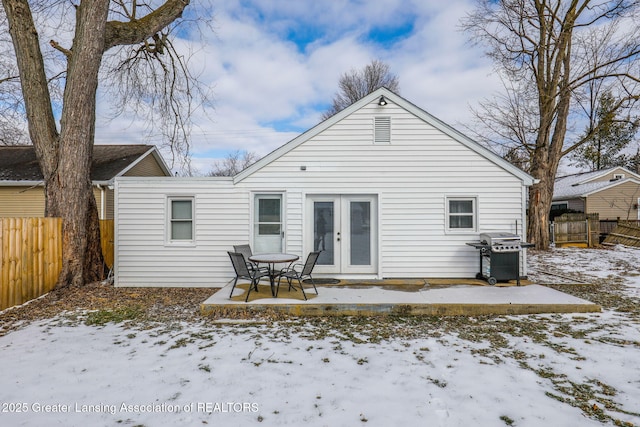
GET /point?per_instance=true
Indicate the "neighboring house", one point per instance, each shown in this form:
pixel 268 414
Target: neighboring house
pixel 383 189
pixel 613 193
pixel 22 190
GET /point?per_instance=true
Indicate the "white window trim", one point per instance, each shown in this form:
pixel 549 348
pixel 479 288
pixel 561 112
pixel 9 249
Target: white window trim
pixel 474 229
pixel 180 242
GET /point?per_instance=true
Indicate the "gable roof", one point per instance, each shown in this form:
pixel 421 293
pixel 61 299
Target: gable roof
pixel 19 165
pixel 408 106
pixel 585 183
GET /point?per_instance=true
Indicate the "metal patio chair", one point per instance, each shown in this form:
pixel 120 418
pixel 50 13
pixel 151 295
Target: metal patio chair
pixel 246 251
pixel 300 272
pixel 244 272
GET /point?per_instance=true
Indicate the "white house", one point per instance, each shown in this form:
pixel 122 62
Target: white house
pixel 385 189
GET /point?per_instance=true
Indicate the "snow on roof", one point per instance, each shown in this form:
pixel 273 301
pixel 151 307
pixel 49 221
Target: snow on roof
pixel 583 184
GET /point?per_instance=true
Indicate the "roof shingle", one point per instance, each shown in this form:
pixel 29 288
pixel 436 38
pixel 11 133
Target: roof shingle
pixel 19 163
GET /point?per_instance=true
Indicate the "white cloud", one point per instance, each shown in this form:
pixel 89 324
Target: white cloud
pixel 273 67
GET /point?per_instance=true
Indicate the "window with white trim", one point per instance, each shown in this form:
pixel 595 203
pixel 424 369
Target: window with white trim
pixel 180 219
pixel 461 213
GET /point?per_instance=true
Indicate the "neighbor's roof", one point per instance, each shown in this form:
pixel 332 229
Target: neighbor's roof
pixel 408 106
pixel 586 183
pixel 19 163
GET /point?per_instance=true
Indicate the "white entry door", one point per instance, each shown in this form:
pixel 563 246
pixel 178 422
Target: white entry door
pixel 268 230
pixel 344 228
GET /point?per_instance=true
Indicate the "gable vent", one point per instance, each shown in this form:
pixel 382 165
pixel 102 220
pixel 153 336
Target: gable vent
pixel 382 130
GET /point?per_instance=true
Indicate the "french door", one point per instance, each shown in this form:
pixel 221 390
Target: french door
pixel 344 228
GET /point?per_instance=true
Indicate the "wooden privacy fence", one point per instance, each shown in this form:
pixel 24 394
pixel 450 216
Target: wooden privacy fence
pixel 31 256
pixel 107 239
pixel 625 233
pixel 576 229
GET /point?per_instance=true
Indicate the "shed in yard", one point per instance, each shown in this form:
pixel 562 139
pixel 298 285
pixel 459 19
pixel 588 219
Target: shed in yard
pixel 385 191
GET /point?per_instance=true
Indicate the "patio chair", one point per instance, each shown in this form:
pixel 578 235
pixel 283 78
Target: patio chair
pixel 243 272
pixel 300 272
pixel 246 251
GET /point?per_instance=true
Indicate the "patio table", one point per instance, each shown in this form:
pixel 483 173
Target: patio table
pixel 272 259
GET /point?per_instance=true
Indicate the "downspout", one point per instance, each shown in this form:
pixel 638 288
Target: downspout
pixel 102 213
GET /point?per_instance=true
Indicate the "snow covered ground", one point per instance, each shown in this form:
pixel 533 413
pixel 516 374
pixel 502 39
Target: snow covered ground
pixel 551 370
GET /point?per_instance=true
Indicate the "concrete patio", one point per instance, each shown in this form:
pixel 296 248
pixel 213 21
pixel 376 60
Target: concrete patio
pixel 432 297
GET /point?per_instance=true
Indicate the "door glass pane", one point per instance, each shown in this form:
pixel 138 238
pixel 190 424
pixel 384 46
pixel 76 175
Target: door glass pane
pixel 269 210
pixel 360 238
pixel 323 233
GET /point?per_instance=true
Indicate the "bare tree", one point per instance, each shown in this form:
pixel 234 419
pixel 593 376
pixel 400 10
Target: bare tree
pixel 65 153
pixel 10 132
pixel 233 163
pixel 555 57
pixel 357 84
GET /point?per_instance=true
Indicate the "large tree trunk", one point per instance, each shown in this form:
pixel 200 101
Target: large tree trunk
pixel 540 196
pixel 76 145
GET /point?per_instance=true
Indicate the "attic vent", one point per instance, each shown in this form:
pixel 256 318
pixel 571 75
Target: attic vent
pixel 382 130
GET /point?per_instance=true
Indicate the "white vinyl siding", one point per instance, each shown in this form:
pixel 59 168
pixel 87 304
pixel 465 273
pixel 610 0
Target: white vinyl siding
pixel 143 257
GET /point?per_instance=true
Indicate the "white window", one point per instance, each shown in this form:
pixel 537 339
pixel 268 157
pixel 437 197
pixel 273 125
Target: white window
pixel 461 213
pixel 180 219
pixel 617 176
pixel 382 130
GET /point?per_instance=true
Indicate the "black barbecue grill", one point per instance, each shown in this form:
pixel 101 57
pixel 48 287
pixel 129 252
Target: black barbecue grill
pixel 499 256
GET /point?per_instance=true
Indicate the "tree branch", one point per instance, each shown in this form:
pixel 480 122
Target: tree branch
pixel 54 44
pixel 138 30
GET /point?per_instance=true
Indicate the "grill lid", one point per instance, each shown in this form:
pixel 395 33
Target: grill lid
pixel 500 238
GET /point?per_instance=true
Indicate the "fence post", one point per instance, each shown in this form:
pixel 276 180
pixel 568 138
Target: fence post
pixel 588 228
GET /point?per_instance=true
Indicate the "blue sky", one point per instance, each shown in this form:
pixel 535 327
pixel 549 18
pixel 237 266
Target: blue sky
pixel 273 67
